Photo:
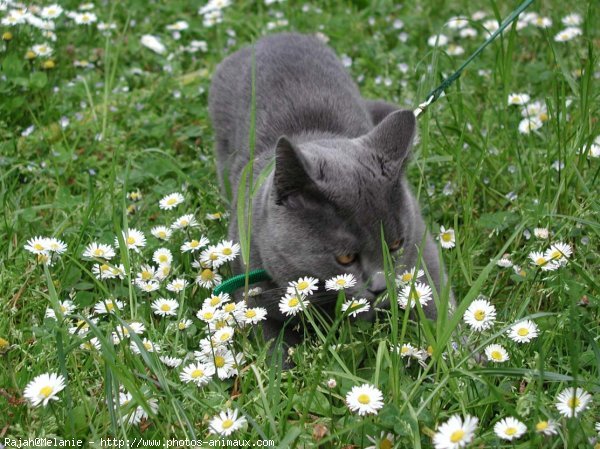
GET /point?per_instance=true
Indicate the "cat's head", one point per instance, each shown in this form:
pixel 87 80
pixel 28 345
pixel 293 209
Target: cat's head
pixel 329 201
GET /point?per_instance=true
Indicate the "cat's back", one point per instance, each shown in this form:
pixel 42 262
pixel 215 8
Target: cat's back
pixel 300 87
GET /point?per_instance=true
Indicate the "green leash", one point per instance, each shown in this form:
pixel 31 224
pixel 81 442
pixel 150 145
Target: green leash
pixel 255 276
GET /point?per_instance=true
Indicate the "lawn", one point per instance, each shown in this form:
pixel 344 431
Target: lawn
pixel 103 115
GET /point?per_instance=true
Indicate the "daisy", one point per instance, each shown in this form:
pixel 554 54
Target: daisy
pixel 108 306
pixel 51 11
pixel 124 331
pixel 570 402
pixel 163 271
pixel 194 245
pixel 208 314
pixel 55 245
pixel 133 239
pixel 153 43
pixel 147 286
pixel 468 32
pixel 406 350
pixel 456 23
pixel 223 335
pixel 292 303
pixel 165 307
pixel 216 215
pixel 356 306
pixel 385 440
pixel 438 40
pixel 455 433
pixel 98 250
pixel 44 388
pixel 541 233
pixel 540 260
pixel 409 275
pixel 340 282
pixel 568 34
pixel 42 50
pixel 171 362
pixel 178 26
pixel 37 245
pixel 455 50
pixel 364 399
pixel 546 427
pixel 447 238
pixel 135 416
pixel 542 22
pixel 210 258
pixel 573 19
pixel 146 273
pixel 85 18
pixel 226 423
pixel 527 125
pixel 510 428
pixel 559 252
pixel 184 222
pixel 162 256
pixel 217 300
pixel 480 315
pixel 227 250
pixel 81 327
pixel 418 292
pixel 184 324
pixel 177 285
pixel 171 201
pixel 496 353
pixel 222 361
pixel 92 345
pixel 148 346
pixel 254 315
pixel 523 332
pixel 504 262
pixel 66 307
pixel 536 109
pixel 198 373
pixel 161 232
pixel 518 99
pixel 305 286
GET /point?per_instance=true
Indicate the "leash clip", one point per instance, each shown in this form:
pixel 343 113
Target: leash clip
pixel 421 108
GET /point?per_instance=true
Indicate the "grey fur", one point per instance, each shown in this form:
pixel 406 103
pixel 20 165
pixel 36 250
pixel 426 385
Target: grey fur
pixel 338 173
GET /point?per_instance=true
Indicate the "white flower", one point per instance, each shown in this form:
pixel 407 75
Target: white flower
pixel 214 6
pixel 408 276
pixel 540 260
pixel 84 18
pixel 455 433
pixel 385 440
pixel 177 285
pixel 546 427
pixel 210 258
pixel 523 331
pixel 42 49
pixel 468 32
pixel 146 273
pixel 44 388
pixel 185 221
pixel 536 109
pixel 496 353
pixel 209 314
pixel 161 232
pixel 123 331
pixel 292 303
pixel 406 350
pixel 180 25
pixel 559 252
pixel 530 124
pixel 223 361
pixel 364 399
pixel 37 245
pixel 455 50
pixel 133 238
pixel 51 11
pixel 108 306
pixel 163 271
pixel 572 401
pixel 418 292
pixel 340 282
pixel 446 237
pixel 171 201
pixel 147 286
pixel 171 362
pixel 91 345
pixel 194 245
pixel 518 99
pixel 217 300
pixel 184 324
pixel 147 344
pixel 304 286
pixel 438 40
pixel 100 251
pixel 198 373
pixel 356 306
pixel 491 26
pixel 541 233
pixel 66 307
pixel 480 315
pixel 456 23
pixel 510 428
pixel 226 423
pixel 573 19
pixel 568 34
pixel 153 43
pixel 227 250
pixel 165 307
pixel 55 245
pixel 254 315
pixel 208 278
pixel 162 256
pixel 504 262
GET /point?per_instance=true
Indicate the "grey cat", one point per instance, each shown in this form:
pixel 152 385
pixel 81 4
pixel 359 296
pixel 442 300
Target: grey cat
pixel 338 176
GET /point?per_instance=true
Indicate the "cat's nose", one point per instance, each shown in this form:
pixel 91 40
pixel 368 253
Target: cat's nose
pixel 377 284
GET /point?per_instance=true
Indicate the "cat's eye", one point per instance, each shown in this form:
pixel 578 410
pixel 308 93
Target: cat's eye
pixel 396 244
pixel 346 259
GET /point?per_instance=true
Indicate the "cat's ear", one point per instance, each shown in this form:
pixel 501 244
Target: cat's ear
pixel 291 175
pixel 393 135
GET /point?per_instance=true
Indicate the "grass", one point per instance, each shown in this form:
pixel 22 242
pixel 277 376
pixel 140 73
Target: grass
pixel 138 121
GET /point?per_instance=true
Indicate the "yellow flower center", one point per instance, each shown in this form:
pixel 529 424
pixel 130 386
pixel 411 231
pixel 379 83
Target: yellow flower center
pixel 414 295
pixel 556 254
pixel 250 314
pixel 162 234
pixel 148 346
pixel 146 275
pixel 457 435
pixel 229 307
pixel 130 240
pixel 38 246
pixel 385 444
pixel 63 309
pixel 540 261
pixel 46 391
pixel 98 252
pixel 181 326
pixel 293 302
pixel 163 258
pixel 404 349
pixel 364 399
pixel 165 307
pixel 227 424
pixel 302 285
pixel 543 117
pixel 197 373
pixel 341 282
pixel 496 355
pixel 430 350
pixel 184 222
pixel 227 251
pixel 446 237
pixel 194 243
pixel 219 361
pixel 510 431
pixel 225 336
pixel 110 306
pixel 207 275
pixel 479 315
pixel 213 256
pixel 208 315
pixel 542 425
pixel 407 277
pixel 171 201
pixel 523 331
pixel 573 403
